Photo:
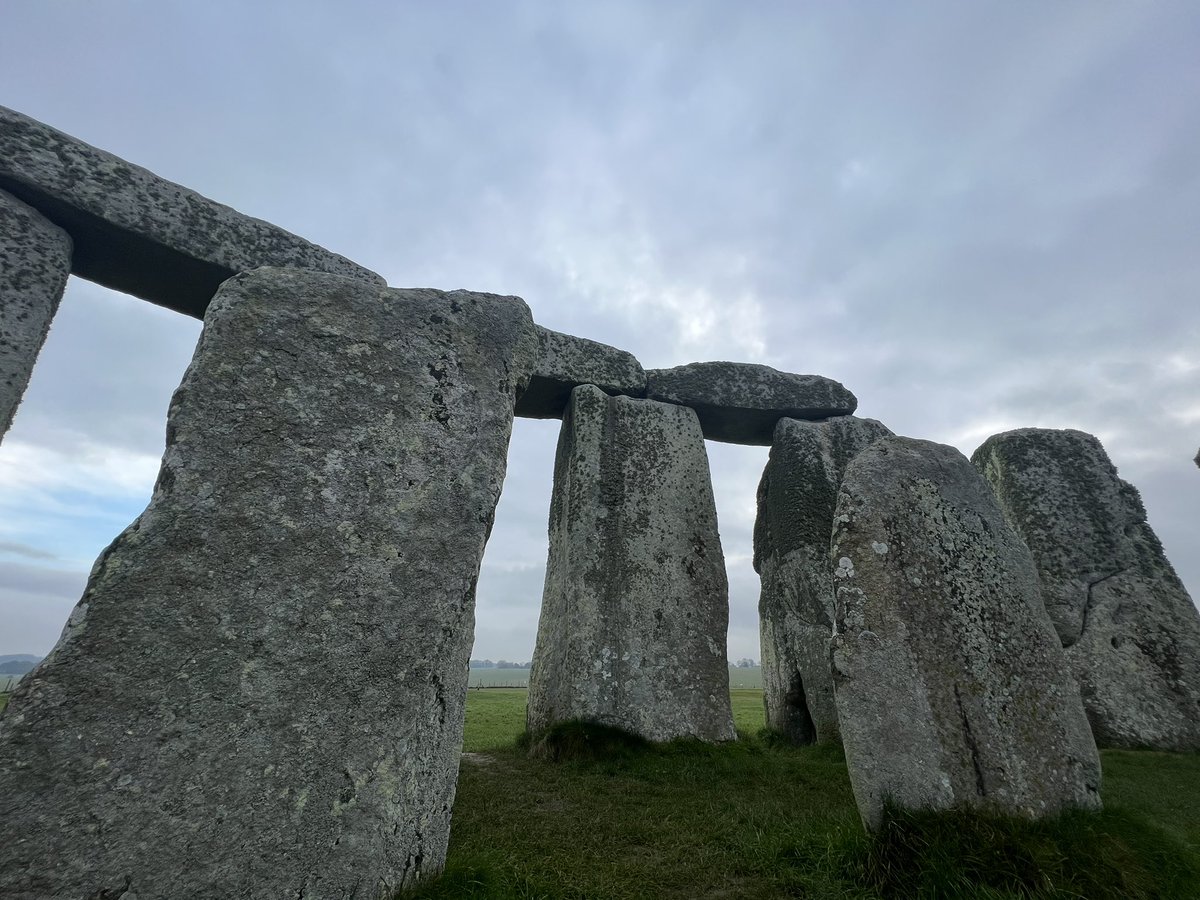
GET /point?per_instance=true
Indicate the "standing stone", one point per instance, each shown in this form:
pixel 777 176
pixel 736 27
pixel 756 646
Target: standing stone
pixel 796 499
pixel 636 605
pixel 952 689
pixel 1131 632
pixel 35 260
pixel 261 693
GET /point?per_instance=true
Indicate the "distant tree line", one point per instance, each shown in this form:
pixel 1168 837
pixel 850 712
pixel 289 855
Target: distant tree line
pixel 498 664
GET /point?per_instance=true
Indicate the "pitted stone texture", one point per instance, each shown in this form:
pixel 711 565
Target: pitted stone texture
pixel 636 605
pixel 796 498
pixel 261 691
pixel 141 234
pixel 740 402
pixel 565 362
pixel 35 260
pixel 952 688
pixel 1131 632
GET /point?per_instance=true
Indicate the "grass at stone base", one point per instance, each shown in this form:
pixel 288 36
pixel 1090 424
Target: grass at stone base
pixel 758 820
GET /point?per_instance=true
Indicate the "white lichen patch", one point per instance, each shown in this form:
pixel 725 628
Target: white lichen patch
pixel 879 547
pixel 845 568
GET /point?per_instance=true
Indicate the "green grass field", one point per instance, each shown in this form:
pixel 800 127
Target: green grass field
pixel 760 820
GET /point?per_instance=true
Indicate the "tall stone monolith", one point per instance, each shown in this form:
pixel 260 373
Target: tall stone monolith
pixel 796 497
pixel 261 692
pixel 952 688
pixel 636 603
pixel 1130 630
pixel 35 260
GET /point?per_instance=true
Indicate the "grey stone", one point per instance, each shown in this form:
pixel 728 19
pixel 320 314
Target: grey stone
pixel 141 234
pixel 565 362
pixel 35 260
pixel 261 691
pixel 636 604
pixel 1131 632
pixel 741 402
pixel 952 689
pixel 796 499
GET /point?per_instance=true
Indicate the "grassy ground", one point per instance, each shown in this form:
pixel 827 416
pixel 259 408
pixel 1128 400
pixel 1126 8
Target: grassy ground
pixel 760 820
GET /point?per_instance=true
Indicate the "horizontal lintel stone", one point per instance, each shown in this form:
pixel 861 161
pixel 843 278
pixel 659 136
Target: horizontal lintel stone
pixel 565 362
pixel 141 234
pixel 740 403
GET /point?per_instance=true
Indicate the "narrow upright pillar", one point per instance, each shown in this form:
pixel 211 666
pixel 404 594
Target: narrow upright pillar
pixel 952 689
pixel 261 692
pixel 1130 630
pixel 796 498
pixel 636 604
pixel 35 260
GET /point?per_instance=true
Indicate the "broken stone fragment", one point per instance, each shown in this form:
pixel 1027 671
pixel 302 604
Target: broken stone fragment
pixel 741 402
pixel 636 604
pixel 565 362
pixel 952 689
pixel 141 234
pixel 1131 632
pixel 261 691
pixel 796 499
pixel 35 260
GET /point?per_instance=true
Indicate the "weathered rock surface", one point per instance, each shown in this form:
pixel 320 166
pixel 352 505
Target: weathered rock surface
pixel 141 234
pixel 636 604
pixel 952 688
pixel 565 362
pixel 261 691
pixel 1131 632
pixel 35 260
pixel 796 500
pixel 741 402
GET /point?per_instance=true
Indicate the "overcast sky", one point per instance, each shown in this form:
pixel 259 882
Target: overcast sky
pixel 977 216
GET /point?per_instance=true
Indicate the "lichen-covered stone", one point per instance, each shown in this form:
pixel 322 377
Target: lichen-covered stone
pixel 35 260
pixel 796 499
pixel 741 402
pixel 1131 632
pixel 952 688
pixel 261 691
pixel 565 362
pixel 636 604
pixel 141 234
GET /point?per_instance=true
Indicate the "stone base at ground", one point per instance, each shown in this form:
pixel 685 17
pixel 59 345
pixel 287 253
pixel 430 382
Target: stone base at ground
pixel 261 692
pixel 636 605
pixel 796 498
pixel 1130 630
pixel 35 260
pixel 952 688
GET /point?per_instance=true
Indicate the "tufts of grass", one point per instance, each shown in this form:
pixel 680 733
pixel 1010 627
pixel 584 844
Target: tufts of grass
pixel 1112 855
pixel 580 740
pixel 760 819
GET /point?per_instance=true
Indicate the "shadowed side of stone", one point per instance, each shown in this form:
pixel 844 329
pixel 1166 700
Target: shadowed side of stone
pixel 741 402
pixel 796 499
pixel 35 260
pixel 565 362
pixel 952 689
pixel 141 234
pixel 261 691
pixel 1131 632
pixel 636 604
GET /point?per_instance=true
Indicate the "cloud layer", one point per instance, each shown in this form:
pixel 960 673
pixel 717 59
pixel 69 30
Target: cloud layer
pixel 976 216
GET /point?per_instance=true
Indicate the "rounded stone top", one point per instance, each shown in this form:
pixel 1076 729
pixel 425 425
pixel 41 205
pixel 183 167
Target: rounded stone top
pixel 741 402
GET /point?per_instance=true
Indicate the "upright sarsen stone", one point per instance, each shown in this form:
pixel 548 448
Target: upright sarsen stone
pixel 952 688
pixel 796 498
pixel 261 692
pixel 35 260
pixel 1131 632
pixel 636 604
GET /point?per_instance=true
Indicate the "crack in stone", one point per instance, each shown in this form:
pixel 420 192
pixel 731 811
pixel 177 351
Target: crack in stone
pixel 980 788
pixel 1090 602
